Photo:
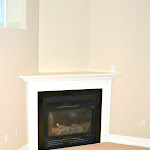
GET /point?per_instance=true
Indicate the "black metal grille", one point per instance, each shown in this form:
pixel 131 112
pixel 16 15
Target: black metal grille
pixel 65 140
pixel 54 143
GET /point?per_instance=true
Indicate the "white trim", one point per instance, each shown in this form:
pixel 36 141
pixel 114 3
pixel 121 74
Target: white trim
pixel 128 140
pixel 120 139
pixel 71 81
pixel 5 13
pixel 70 75
pixel 24 147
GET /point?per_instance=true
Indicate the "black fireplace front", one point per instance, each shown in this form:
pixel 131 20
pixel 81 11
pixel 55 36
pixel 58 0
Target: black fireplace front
pixel 69 118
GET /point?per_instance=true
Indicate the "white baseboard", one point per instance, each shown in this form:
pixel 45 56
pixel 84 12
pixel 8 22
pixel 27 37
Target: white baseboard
pixel 24 147
pixel 128 140
pixel 120 139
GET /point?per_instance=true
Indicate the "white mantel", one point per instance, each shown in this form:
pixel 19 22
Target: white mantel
pixel 66 81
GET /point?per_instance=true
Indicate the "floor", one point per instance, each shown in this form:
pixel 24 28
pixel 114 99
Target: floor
pixel 105 146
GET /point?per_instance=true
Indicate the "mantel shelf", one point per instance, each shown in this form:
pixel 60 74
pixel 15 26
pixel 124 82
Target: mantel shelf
pixel 68 75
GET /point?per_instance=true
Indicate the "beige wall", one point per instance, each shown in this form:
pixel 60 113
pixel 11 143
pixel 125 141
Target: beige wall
pixel 63 35
pixel 73 37
pixel 120 35
pixel 18 56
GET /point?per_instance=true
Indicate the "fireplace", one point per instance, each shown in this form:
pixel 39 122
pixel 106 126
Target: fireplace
pixel 63 81
pixel 69 118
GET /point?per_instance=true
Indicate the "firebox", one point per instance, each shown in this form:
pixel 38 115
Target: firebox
pixel 69 118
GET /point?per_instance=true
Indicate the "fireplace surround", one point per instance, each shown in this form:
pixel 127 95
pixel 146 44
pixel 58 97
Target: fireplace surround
pixel 71 81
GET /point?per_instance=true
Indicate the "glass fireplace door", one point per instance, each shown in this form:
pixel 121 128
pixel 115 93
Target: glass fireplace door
pixel 67 121
pixel 69 118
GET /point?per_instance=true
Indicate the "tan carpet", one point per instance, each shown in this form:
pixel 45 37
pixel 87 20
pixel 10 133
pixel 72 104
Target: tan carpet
pixel 105 146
